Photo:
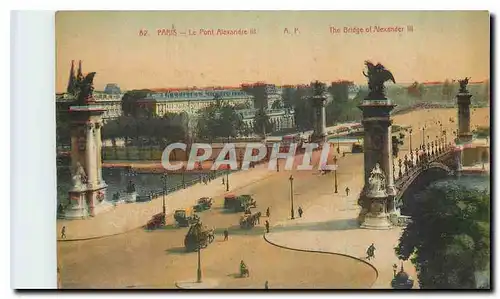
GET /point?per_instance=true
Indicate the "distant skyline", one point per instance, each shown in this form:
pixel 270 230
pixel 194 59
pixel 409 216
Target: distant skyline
pixel 443 45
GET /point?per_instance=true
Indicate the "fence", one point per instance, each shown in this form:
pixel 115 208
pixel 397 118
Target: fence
pixel 185 184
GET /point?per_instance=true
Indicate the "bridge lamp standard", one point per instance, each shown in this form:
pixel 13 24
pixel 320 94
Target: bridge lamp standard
pixel 335 173
pixel 410 131
pixel 291 197
pixel 423 136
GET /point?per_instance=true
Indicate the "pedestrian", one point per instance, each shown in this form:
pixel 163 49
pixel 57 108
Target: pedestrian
pixel 300 212
pixel 266 285
pixel 370 252
pixel 343 154
pixel 268 213
pixel 347 191
pixel 63 232
pixel 223 181
pixel 226 235
pixel 267 226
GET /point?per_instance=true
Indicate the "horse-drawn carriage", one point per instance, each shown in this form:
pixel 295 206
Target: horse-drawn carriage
pixel 185 217
pixel 239 203
pixel 249 220
pixel 198 236
pixel 156 221
pixel 204 203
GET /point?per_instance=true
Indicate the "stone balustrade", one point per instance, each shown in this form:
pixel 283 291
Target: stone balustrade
pixel 419 157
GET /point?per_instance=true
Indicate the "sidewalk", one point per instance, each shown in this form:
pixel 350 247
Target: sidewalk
pixel 331 226
pixel 126 217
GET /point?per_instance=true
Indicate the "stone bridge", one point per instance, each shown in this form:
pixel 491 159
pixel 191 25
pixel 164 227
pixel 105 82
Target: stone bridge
pixel 421 166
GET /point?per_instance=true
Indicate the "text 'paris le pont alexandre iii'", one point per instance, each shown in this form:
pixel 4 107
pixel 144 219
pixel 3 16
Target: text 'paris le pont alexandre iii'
pixel 173 32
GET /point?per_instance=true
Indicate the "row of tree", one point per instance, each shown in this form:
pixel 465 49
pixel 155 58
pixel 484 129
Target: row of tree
pixel 448 239
pixel 139 125
pixel 147 131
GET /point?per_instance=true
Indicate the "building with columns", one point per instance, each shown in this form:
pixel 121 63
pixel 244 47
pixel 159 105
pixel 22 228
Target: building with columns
pixel 192 100
pixel 279 118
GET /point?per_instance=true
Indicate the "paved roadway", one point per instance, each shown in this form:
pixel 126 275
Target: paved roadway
pixel 157 259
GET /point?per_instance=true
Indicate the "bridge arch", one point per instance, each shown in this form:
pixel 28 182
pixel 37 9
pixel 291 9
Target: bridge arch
pixel 417 181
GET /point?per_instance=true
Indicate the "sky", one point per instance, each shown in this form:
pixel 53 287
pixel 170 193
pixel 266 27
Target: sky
pixel 442 45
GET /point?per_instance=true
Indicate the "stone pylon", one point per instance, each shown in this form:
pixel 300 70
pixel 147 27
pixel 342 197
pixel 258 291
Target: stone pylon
pixel 89 189
pixel 318 103
pixel 377 125
pixel 464 100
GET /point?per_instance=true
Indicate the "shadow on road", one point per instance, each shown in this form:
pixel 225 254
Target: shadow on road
pixel 178 250
pixel 236 230
pixel 234 275
pixel 166 227
pixel 332 225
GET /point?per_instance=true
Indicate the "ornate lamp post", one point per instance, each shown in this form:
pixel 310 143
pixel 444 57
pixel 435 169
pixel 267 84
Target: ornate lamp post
pixel 291 197
pixel 410 131
pixel 423 135
pixel 164 178
pixel 335 173
pixel 227 172
pixel 198 272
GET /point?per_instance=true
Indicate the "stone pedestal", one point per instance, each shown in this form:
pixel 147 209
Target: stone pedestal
pixel 377 125
pixel 130 197
pixel 86 198
pixel 376 216
pixel 319 134
pixel 464 133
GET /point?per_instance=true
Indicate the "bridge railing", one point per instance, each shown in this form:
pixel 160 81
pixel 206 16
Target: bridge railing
pixel 419 158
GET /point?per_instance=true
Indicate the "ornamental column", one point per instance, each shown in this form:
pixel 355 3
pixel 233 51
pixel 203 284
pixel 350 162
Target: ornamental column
pixel 463 101
pixel 318 103
pixel 377 200
pixel 98 141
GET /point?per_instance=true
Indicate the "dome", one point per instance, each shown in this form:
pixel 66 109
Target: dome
pixel 402 280
pixel 402 277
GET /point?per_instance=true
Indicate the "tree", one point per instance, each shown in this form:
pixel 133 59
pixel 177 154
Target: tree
pixel 262 124
pixel 447 91
pixel 448 239
pixel 303 110
pixel 259 92
pixel 416 90
pixel 130 106
pixel 219 120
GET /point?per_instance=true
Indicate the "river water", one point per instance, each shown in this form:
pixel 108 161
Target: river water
pixel 117 181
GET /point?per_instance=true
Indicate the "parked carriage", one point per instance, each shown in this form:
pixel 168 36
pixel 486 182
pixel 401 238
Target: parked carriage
pixel 239 203
pixel 185 217
pixel 198 236
pixel 204 203
pixel 156 221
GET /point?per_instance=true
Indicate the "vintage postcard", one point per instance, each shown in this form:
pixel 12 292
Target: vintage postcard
pixel 273 149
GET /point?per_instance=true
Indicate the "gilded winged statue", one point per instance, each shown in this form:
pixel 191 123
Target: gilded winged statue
pixel 85 88
pixel 377 75
pixel 463 84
